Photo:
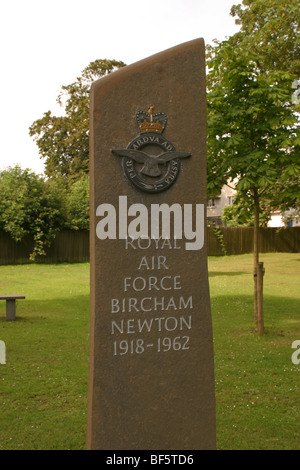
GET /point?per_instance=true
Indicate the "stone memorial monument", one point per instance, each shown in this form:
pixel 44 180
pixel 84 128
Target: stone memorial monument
pixel 151 378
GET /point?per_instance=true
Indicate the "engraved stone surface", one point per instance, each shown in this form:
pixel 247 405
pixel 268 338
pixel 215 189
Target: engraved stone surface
pixel 151 378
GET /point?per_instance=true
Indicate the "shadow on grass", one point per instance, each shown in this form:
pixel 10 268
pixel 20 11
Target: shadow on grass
pixel 231 313
pixel 235 314
pixel 60 308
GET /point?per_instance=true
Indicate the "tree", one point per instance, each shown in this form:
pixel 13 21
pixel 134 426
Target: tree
pixel 271 30
pixel 240 214
pixel 78 204
pixel 63 141
pixel 31 205
pixel 252 124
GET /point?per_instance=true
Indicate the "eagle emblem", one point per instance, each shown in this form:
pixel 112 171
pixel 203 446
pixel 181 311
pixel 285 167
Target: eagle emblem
pixel 148 170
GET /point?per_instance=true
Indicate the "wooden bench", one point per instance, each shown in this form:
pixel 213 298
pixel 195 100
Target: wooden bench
pixel 11 305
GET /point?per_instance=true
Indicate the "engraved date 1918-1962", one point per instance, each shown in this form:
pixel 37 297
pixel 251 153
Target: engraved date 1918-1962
pixel 139 346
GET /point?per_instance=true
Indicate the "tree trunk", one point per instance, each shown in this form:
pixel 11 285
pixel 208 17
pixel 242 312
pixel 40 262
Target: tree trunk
pixel 260 316
pixel 255 254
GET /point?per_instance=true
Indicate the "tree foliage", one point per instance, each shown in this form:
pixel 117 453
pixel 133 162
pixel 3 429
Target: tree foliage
pixel 240 214
pixel 63 141
pixel 271 30
pixel 78 204
pixel 252 123
pixel 31 205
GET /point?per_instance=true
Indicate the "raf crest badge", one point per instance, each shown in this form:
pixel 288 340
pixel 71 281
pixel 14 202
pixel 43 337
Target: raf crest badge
pixel 150 161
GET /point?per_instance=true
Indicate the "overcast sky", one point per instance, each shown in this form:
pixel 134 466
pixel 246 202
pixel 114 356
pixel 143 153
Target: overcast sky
pixel 46 44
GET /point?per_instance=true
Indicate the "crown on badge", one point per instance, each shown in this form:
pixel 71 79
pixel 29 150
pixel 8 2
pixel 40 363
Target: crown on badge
pixel 150 122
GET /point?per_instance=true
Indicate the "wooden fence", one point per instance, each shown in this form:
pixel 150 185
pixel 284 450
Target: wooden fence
pixel 73 246
pixel 68 246
pixel 239 240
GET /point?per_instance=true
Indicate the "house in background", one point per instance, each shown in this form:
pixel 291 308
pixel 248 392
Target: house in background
pixel 215 205
pixel 276 220
pixel 290 218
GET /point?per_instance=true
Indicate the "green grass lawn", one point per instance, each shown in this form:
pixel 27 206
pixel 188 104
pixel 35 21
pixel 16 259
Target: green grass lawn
pixel 43 385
